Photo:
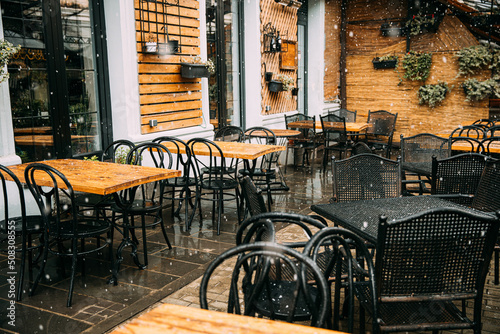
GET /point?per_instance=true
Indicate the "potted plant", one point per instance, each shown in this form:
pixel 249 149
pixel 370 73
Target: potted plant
pixel 495 63
pixel 295 91
pixel 476 90
pixel 417 65
pixel 392 29
pixel 472 59
pixel 6 52
pixel 388 61
pixel 275 86
pixel 198 68
pixel 433 94
pixel 287 81
pixel 419 24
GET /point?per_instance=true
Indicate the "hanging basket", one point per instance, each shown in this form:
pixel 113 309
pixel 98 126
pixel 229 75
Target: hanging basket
pixel 275 86
pixel 191 71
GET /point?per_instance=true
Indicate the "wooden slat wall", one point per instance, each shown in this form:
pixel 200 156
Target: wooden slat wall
pixel 332 50
pixel 370 89
pixel 165 96
pixel 284 19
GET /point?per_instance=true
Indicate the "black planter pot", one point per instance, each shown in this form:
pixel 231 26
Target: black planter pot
pixel 191 71
pixel 275 86
pixel 377 64
pixel 295 91
pixel 268 76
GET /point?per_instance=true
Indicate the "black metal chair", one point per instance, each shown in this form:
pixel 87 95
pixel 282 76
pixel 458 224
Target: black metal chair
pixel 416 159
pixel 253 292
pixel 335 139
pixel 18 224
pixel 493 131
pixel 489 143
pixel 66 230
pixel 309 140
pixel 350 116
pixel 253 197
pixel 264 172
pixel 365 176
pixel 473 145
pixel 116 152
pixel 230 133
pixel 218 184
pixel 472 131
pixel 145 201
pixel 424 265
pixel 180 188
pixel 456 178
pixel 337 252
pixel 380 131
pixel 484 123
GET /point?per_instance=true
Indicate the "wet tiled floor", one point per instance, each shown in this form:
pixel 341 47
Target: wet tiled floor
pixel 172 275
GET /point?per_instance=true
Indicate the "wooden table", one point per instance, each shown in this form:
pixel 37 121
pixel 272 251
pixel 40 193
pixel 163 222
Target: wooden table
pixel 45 140
pixel 102 178
pixel 350 126
pixel 460 146
pixel 168 318
pixel 33 130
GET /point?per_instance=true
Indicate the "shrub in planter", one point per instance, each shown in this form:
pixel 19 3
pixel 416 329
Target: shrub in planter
pixel 433 94
pixel 472 59
pixel 198 68
pixel 417 65
pixel 421 24
pixel 287 81
pixel 476 90
pixel 389 61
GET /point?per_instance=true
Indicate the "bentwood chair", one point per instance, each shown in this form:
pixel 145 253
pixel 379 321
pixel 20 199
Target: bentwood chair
pixel 145 201
pixel 230 133
pixel 467 144
pixel 116 152
pixel 493 131
pixel 472 131
pixel 15 222
pixel 489 143
pixel 254 292
pixel 365 176
pixel 380 131
pixel 449 251
pixel 218 184
pixel 180 188
pixel 484 123
pixel 264 172
pixel 456 178
pixel 336 140
pixel 66 233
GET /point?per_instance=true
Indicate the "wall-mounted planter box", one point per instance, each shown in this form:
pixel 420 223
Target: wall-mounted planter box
pixel 191 71
pixel 275 86
pixel 295 91
pixel 377 64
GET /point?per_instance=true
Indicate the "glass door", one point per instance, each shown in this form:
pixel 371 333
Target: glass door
pixel 53 79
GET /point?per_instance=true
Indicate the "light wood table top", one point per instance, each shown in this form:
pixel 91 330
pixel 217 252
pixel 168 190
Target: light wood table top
pixel 33 130
pixel 46 140
pixel 236 150
pixel 350 126
pixel 461 146
pixel 168 318
pixel 279 133
pixel 97 177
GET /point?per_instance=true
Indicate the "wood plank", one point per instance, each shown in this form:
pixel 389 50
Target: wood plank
pixel 161 118
pixel 170 88
pixel 162 78
pixel 162 98
pixel 172 125
pixel 168 107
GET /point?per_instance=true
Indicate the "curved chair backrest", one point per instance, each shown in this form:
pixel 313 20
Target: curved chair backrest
pixel 248 231
pixel 63 201
pixel 472 131
pixel 468 144
pixel 182 161
pixel 255 292
pixel 484 123
pixel 493 131
pixel 421 147
pixel 366 176
pixel 117 151
pixel 11 196
pixel 381 123
pixel 158 154
pixel 265 136
pixel 458 175
pixel 253 196
pixel 212 159
pixel 230 133
pixel 490 144
pixel 350 116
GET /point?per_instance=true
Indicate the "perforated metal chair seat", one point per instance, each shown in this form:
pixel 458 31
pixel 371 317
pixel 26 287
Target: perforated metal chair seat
pixel 224 184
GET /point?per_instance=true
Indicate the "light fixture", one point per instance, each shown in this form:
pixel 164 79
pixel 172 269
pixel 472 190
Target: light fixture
pixel 289 3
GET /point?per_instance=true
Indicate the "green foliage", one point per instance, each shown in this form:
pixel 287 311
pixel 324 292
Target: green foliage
pixel 6 52
pixel 433 94
pixel 417 65
pixel 388 58
pixel 495 63
pixel 92 158
pixel 419 22
pixel 286 81
pixel 476 90
pixel 473 58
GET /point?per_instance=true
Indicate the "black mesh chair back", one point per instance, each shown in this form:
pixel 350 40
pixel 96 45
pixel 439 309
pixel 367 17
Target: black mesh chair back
pixel 487 197
pixel 252 292
pixel 423 265
pixel 253 196
pixel 309 140
pixel 63 224
pixel 484 123
pixel 380 131
pixel 217 182
pixel 422 147
pixel 180 188
pixel 493 131
pixel 366 176
pixel 230 133
pixel 306 133
pixel 350 116
pixel 335 139
pixel 472 131
pixel 491 146
pixel 467 144
pixel 456 178
pixel 15 221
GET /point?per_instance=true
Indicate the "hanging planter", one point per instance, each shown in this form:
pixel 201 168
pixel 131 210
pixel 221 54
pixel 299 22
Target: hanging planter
pixel 275 86
pixel 476 90
pixel 433 94
pixel 295 91
pixel 385 62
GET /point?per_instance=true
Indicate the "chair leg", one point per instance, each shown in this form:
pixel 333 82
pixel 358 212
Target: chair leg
pixel 42 267
pixel 497 262
pixel 23 263
pixel 164 231
pixel 219 213
pixel 73 271
pixel 144 241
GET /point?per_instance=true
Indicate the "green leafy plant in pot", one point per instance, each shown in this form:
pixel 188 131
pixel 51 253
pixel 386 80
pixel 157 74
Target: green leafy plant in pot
pixel 417 65
pixel 433 94
pixel 476 90
pixel 473 59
